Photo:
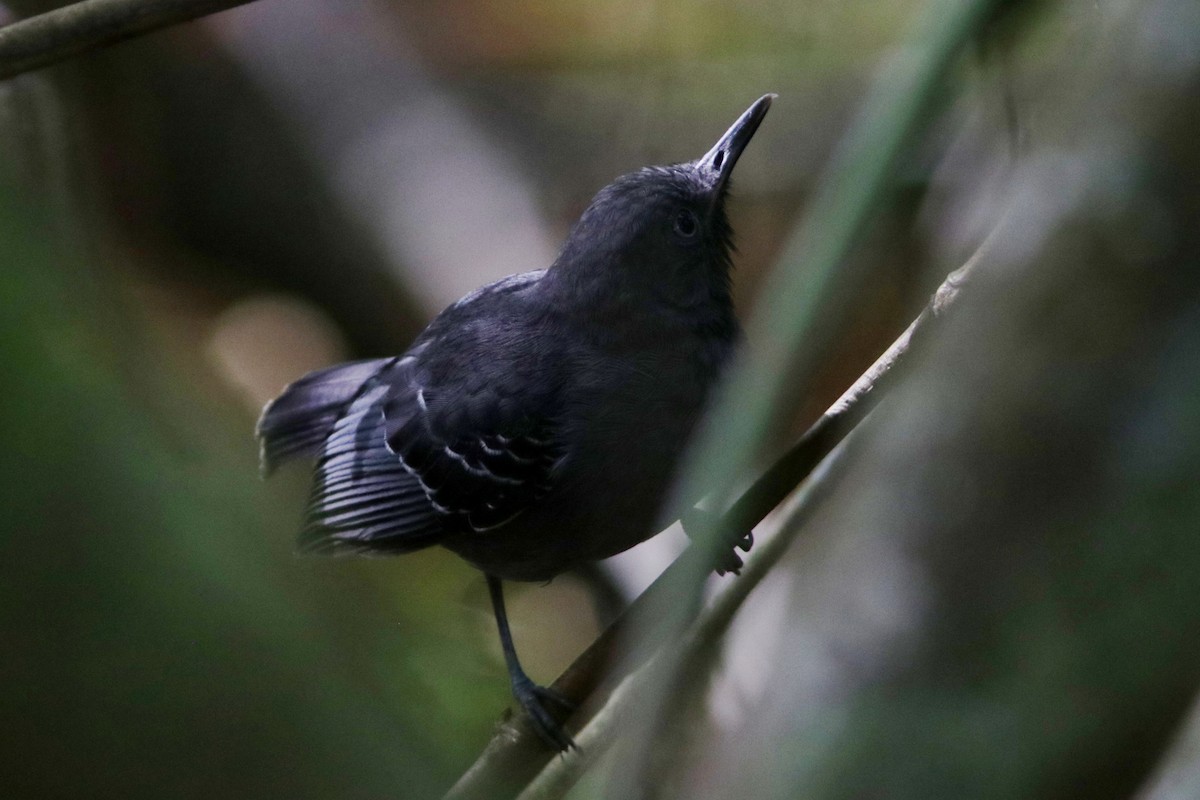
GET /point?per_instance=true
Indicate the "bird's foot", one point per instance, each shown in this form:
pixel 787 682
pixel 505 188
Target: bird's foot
pixel 728 561
pixel 535 699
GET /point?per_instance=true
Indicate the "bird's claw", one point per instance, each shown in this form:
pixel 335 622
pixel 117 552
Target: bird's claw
pixel 729 561
pixel 534 699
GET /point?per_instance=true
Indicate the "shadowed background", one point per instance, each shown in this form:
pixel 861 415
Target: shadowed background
pixel 191 220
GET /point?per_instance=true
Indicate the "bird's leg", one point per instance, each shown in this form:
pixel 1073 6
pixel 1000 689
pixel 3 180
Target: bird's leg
pixel 531 696
pixel 729 561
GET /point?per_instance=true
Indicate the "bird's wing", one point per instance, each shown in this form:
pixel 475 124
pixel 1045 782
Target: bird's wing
pixel 296 424
pixel 363 500
pixel 457 435
pixel 482 441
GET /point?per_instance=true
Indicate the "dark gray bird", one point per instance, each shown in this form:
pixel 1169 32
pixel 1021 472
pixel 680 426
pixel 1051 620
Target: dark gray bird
pixel 535 424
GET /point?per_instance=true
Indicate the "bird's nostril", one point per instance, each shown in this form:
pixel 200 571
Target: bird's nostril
pixel 719 159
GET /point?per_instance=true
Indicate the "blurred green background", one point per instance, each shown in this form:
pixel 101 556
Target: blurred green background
pixel 192 219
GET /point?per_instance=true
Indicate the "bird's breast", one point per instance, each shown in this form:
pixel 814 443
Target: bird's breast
pixel 626 421
pixel 631 429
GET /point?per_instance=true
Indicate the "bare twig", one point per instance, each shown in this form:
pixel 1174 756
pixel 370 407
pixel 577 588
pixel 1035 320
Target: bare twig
pixel 68 31
pixel 806 300
pixel 515 755
pixel 602 731
pixel 851 408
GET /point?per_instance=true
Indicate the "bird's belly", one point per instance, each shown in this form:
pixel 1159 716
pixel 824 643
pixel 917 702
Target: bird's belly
pixel 607 498
pixel 565 530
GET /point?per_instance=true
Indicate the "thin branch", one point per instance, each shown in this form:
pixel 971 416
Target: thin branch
pixel 68 31
pixel 806 300
pixel 515 755
pixel 851 408
pixel 560 775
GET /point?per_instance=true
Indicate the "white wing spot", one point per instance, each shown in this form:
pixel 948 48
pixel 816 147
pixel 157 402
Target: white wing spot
pixel 480 471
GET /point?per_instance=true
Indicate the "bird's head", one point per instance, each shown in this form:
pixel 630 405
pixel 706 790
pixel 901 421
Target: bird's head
pixel 663 229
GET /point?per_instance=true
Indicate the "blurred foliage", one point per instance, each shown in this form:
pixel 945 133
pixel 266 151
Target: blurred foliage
pixel 161 197
pixel 161 638
pixel 160 642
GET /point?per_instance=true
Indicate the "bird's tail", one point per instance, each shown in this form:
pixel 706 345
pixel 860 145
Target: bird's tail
pixel 296 424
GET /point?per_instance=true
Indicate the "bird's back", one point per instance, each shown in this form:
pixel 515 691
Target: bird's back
pixel 413 448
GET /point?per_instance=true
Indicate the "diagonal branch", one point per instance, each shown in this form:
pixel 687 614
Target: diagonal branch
pixel 515 755
pixel 68 31
pixel 605 728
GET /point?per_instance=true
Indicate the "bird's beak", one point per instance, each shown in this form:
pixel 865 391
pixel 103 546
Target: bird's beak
pixel 717 163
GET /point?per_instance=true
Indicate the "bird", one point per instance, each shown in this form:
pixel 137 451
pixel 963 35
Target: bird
pixel 535 424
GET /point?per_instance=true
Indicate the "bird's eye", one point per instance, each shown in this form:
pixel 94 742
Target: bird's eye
pixel 686 224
